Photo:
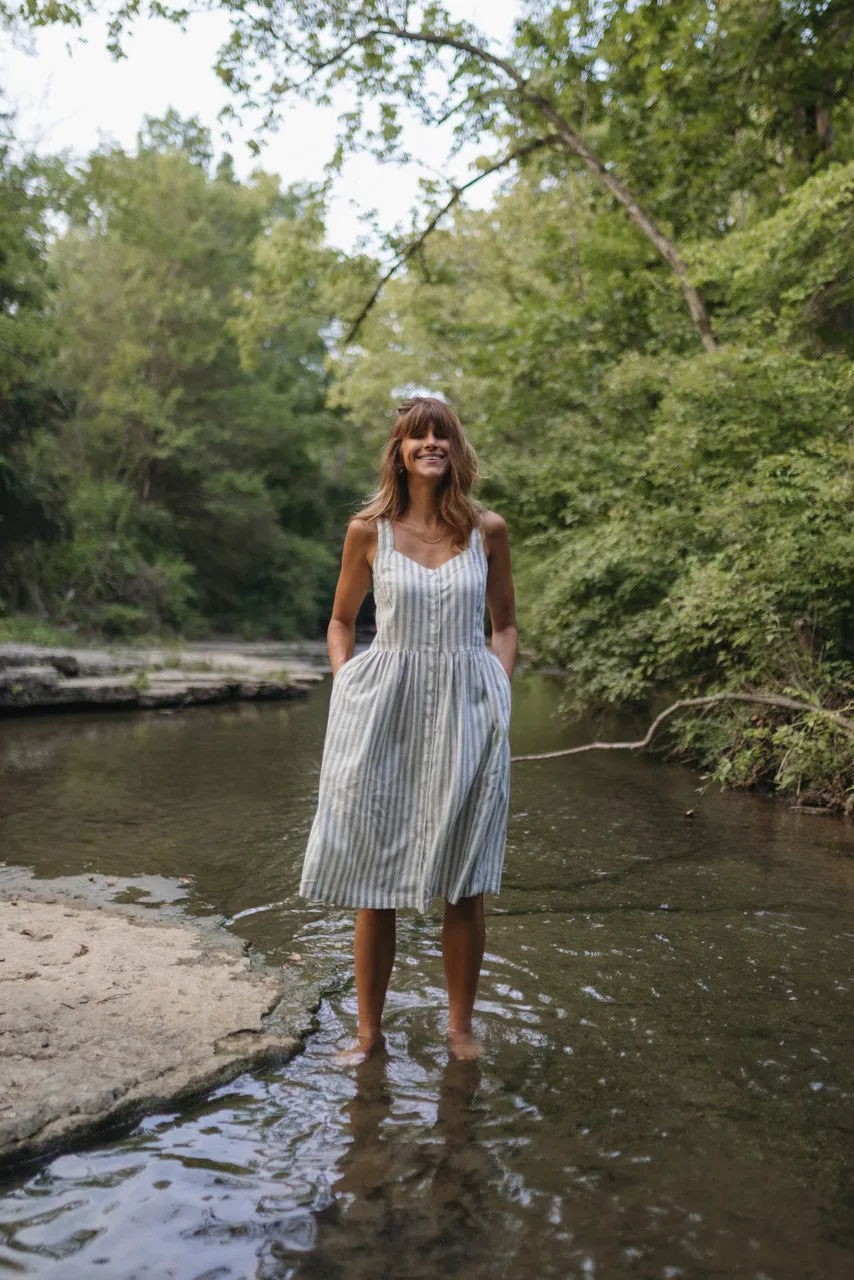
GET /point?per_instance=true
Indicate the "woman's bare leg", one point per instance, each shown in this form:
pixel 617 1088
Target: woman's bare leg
pixel 373 950
pixel 463 938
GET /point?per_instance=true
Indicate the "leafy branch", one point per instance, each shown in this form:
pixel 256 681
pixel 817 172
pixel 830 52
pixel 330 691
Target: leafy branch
pixel 414 245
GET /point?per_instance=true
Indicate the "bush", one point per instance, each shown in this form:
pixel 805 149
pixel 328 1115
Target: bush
pixel 118 620
pixel 728 554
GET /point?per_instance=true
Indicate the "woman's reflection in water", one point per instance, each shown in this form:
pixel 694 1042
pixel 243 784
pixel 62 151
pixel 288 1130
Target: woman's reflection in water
pixel 409 1205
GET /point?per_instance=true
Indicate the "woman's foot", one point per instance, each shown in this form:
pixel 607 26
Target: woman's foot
pixel 463 1046
pixel 366 1044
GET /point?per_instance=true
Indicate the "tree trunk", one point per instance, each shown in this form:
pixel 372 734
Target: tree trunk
pixel 571 142
pixel 824 127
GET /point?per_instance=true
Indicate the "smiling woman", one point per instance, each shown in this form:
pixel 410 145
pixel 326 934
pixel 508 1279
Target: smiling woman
pixel 414 782
pixel 427 444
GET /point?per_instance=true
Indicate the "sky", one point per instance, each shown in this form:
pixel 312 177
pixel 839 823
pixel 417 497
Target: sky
pixel 73 101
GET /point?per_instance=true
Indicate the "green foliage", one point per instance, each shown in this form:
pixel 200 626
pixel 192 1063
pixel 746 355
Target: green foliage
pixel 192 480
pixel 119 620
pixel 790 276
pixel 29 186
pixel 23 628
pixel 682 522
pixel 808 757
pixel 712 111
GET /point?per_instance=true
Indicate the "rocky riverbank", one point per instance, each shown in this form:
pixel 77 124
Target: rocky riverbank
pixel 35 676
pixel 111 1009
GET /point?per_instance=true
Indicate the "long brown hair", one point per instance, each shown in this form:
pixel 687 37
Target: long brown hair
pixel 460 512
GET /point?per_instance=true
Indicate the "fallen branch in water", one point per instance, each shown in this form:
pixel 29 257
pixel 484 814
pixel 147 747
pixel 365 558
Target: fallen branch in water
pixel 767 699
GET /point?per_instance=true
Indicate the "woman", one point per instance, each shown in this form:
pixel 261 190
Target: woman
pixel 414 781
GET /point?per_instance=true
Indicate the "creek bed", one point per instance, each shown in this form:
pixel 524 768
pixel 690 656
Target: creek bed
pixel 665 1008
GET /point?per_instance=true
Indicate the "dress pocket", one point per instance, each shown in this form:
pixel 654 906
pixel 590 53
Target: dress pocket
pixel 501 691
pixel 346 670
pixel 499 664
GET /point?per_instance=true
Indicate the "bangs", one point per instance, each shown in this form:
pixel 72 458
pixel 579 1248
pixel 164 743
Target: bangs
pixel 427 411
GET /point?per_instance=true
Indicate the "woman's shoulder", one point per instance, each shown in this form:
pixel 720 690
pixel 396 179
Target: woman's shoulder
pixel 494 525
pixel 494 535
pixel 363 527
pixel 363 535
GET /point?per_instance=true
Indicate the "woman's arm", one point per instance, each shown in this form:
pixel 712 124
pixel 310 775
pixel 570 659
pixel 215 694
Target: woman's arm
pixel 354 582
pixel 500 595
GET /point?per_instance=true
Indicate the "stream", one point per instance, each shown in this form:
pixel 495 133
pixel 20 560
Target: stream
pixel 665 1009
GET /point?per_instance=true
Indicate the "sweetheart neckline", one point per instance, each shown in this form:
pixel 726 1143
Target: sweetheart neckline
pixel 430 568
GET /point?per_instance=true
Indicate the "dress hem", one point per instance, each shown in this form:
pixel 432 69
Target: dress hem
pixel 389 901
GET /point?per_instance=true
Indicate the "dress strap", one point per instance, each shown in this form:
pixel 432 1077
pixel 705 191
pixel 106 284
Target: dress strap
pixel 385 538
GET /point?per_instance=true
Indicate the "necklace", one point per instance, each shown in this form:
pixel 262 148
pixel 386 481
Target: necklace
pixel 420 531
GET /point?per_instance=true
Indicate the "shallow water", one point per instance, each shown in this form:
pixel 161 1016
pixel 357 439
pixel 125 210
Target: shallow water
pixel 666 1087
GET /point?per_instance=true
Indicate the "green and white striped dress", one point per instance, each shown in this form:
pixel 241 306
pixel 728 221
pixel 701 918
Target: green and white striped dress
pixel 415 776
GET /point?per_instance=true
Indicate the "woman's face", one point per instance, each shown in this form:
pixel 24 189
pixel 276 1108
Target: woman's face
pixel 425 453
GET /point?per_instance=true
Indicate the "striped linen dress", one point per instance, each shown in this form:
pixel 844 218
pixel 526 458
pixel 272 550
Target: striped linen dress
pixel 415 776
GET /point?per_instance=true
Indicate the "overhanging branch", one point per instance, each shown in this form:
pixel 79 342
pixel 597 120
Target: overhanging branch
pixel 444 40
pixel 415 245
pixel 337 56
pixel 571 141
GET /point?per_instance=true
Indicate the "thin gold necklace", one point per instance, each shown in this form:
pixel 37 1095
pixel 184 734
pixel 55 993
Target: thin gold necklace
pixel 420 532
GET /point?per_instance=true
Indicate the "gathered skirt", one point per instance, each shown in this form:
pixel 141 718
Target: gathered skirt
pixel 414 781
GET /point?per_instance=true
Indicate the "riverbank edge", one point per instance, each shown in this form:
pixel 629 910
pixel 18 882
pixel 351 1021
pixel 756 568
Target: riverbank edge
pixel 114 1010
pixel 48 678
pixel 747 753
pixel 734 747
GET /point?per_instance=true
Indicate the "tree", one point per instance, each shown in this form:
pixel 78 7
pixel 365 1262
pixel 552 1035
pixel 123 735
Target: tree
pixel 389 52
pixel 193 484
pixel 28 399
pixel 615 86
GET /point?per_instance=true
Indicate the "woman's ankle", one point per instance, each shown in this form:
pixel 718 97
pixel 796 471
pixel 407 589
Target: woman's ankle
pixel 463 1045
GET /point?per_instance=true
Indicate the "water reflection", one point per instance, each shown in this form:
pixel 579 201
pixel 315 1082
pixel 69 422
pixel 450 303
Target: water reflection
pixel 426 1196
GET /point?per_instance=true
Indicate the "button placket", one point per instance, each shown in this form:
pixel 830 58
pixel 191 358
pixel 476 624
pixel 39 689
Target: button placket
pixel 430 689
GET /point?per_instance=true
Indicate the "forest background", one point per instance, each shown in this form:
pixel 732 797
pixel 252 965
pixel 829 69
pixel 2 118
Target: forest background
pixel 648 334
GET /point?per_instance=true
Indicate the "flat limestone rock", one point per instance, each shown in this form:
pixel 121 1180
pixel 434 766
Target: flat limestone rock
pixel 108 1011
pixel 71 662
pixel 39 677
pixel 30 676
